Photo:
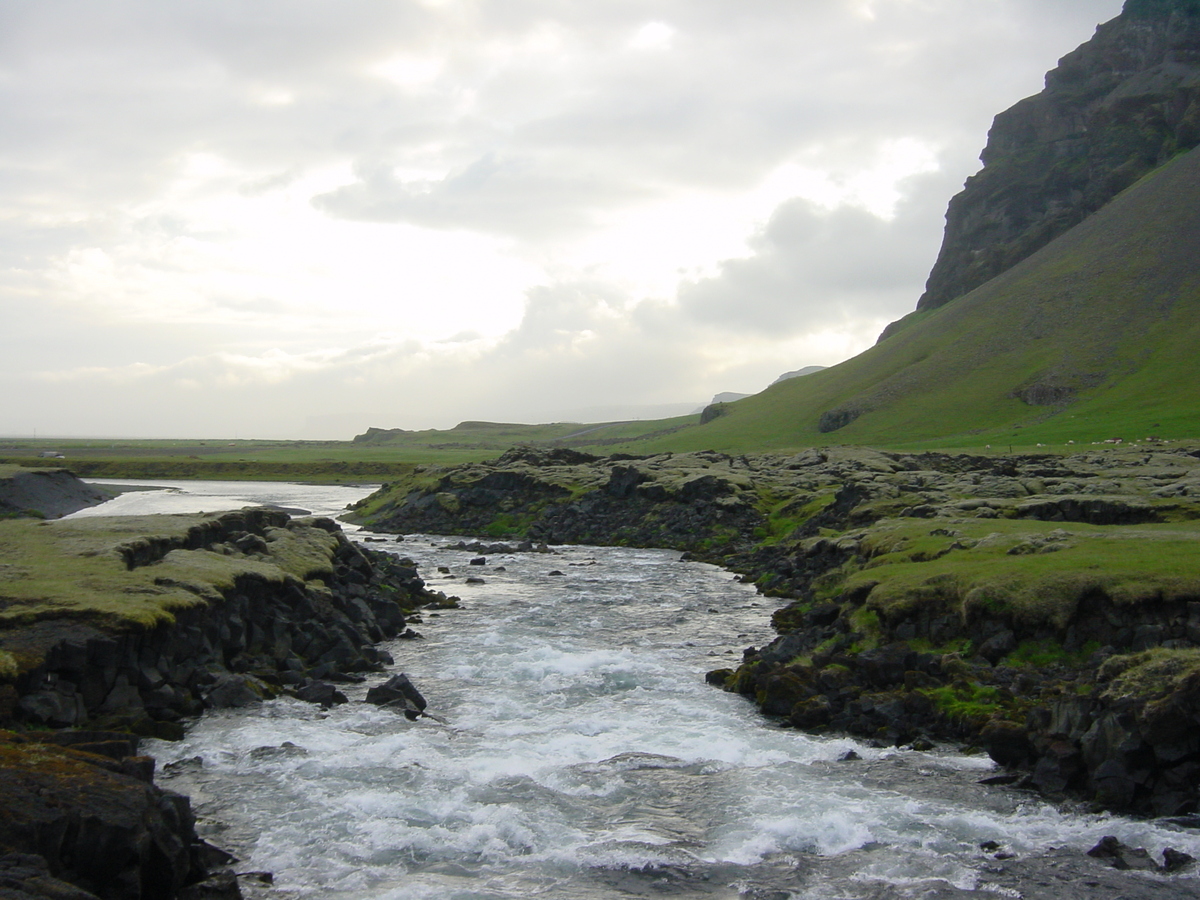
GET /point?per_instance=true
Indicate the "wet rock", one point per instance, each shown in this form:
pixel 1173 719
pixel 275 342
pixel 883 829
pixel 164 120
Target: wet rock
pixel 1060 767
pixel 815 712
pixel 1176 860
pixel 398 687
pixel 321 692
pixel 1007 743
pixel 26 876
pixel 233 691
pixel 719 677
pixel 1120 856
pixel 999 780
pixel 287 748
pixel 222 886
pixel 108 833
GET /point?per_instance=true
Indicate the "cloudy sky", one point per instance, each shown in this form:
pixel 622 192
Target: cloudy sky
pixel 299 218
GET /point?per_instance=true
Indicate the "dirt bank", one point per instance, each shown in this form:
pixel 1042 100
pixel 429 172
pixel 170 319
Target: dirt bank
pixel 45 493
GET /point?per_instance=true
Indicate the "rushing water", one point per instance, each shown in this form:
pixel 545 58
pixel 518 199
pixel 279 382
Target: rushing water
pixel 582 756
pixel 145 497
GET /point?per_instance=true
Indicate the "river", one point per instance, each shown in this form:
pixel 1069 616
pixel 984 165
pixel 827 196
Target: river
pixel 581 755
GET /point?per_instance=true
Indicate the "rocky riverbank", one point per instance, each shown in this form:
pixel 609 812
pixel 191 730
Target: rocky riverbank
pixel 115 628
pixel 1043 607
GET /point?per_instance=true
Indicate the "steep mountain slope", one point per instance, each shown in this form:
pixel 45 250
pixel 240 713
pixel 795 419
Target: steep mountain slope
pixel 1114 109
pixel 1092 337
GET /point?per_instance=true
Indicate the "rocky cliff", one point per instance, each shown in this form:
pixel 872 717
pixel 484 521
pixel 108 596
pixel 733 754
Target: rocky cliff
pixel 1114 109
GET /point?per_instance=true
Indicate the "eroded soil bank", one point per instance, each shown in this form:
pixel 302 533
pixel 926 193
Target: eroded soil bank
pixel 45 493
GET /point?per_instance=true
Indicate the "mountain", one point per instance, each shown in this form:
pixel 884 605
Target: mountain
pixel 1065 302
pixel 1113 110
pixel 1092 337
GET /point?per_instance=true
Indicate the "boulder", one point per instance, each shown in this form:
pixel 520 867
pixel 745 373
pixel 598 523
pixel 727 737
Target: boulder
pixel 232 691
pixel 398 687
pixel 321 692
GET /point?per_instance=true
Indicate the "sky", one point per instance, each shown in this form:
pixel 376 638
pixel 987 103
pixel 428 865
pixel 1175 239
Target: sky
pixel 296 219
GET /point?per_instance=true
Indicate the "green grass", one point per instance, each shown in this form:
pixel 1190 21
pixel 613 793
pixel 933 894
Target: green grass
pixel 966 700
pixel 74 568
pixel 909 568
pixel 1041 654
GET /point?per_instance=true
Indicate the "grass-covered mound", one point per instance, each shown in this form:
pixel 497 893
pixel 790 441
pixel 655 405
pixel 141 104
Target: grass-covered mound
pixel 93 567
pixel 138 572
pixel 1035 574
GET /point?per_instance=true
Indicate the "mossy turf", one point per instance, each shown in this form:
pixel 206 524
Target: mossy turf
pixel 1035 573
pixel 1149 675
pixel 75 569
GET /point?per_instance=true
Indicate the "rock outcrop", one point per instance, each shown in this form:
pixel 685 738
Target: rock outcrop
pixel 80 799
pixel 80 808
pixel 1119 106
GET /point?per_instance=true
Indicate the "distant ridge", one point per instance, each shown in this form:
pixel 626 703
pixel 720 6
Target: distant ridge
pixel 799 373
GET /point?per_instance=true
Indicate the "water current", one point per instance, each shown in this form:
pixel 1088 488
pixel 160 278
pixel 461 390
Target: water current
pixel 582 756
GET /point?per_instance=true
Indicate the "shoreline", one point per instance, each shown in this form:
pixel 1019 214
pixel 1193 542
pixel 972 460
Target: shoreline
pixel 277 605
pixel 1044 608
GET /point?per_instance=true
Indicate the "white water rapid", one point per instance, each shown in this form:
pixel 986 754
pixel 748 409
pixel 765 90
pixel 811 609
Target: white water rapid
pixel 583 756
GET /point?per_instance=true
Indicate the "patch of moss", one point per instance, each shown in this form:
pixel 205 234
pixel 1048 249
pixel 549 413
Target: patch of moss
pixel 1148 675
pixel 509 524
pixel 1040 654
pixel 304 552
pixel 867 623
pixel 966 700
pixel 786 513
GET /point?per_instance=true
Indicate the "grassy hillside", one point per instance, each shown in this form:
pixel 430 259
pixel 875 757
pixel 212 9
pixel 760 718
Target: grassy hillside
pixel 1097 332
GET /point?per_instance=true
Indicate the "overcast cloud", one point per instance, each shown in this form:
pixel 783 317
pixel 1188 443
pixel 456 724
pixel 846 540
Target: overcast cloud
pixel 293 218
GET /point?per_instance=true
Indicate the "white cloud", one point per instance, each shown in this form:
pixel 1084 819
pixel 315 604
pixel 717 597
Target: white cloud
pixel 653 36
pixel 220 217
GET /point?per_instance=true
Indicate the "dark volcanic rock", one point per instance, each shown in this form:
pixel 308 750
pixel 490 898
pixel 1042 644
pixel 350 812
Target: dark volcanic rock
pixel 104 831
pixel 1118 106
pixel 397 688
pixel 83 800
